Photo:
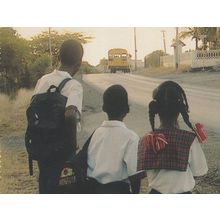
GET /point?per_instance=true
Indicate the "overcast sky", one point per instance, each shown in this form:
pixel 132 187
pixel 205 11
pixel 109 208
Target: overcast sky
pixel 105 38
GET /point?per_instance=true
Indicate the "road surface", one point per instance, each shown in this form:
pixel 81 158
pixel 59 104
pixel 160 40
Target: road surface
pixel 204 102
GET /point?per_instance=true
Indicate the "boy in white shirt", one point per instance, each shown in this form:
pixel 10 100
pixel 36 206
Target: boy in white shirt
pixel 112 152
pixel 70 56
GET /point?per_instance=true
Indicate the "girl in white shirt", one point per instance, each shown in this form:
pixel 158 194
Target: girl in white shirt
pixel 171 156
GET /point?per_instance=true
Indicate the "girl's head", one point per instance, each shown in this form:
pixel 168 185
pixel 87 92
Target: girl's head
pixel 115 102
pixel 169 100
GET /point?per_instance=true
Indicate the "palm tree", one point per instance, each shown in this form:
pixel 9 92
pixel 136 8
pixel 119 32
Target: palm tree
pixel 192 32
pixel 212 37
pixel 209 41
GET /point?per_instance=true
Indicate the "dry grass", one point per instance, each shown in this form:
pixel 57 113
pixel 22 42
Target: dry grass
pixel 14 172
pixel 12 112
pixel 14 166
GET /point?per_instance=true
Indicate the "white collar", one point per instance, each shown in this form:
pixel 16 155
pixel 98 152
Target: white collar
pixel 113 123
pixel 63 73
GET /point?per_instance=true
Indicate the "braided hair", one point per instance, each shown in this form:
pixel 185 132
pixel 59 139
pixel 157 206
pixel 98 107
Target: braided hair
pixel 169 99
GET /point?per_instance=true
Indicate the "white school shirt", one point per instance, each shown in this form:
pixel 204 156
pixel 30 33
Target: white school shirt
pixel 172 181
pixel 72 90
pixel 112 153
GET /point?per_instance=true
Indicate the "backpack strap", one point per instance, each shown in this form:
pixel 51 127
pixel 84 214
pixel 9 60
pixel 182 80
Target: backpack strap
pixel 80 164
pixel 86 145
pixel 63 83
pixel 30 163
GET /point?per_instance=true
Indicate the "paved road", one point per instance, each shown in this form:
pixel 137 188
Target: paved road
pixel 204 102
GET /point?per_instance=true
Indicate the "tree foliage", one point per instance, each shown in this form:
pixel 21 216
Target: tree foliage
pixel 208 36
pixel 40 43
pixel 15 52
pixel 153 59
pixel 23 61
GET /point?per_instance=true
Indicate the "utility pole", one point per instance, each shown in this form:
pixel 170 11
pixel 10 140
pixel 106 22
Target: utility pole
pixel 217 37
pixel 177 49
pixel 164 41
pixel 203 36
pixel 51 58
pixel 135 47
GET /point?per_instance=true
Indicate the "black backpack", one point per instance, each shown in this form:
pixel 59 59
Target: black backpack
pixel 45 134
pixel 77 181
pixel 80 161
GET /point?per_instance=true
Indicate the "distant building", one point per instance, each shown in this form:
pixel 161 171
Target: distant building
pixel 103 62
pixel 180 44
pixel 103 65
pixel 140 64
pixel 193 59
pixel 153 59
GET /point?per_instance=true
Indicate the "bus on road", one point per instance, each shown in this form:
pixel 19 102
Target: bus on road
pixel 119 60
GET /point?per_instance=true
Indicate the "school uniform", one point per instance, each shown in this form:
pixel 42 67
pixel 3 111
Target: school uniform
pixel 50 170
pixel 172 169
pixel 112 158
pixel 72 90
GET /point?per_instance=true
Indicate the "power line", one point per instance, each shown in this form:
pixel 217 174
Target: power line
pixel 177 49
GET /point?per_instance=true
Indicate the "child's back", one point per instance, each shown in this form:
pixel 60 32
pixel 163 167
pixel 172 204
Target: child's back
pixel 112 152
pixel 171 156
pixel 172 170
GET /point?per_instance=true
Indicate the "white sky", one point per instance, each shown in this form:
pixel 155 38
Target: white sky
pixel 105 38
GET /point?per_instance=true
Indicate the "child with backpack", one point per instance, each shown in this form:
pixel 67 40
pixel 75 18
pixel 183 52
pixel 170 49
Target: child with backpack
pixel 112 151
pixel 53 117
pixel 170 155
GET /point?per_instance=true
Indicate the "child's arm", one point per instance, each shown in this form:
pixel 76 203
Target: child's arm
pixel 130 158
pixel 72 115
pixel 71 128
pixel 197 161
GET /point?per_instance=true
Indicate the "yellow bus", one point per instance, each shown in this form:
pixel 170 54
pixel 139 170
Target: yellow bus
pixel 119 60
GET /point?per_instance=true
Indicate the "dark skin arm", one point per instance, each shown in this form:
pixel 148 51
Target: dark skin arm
pixel 71 127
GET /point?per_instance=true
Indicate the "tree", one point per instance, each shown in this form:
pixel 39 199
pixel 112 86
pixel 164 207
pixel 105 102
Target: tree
pixel 40 43
pixel 210 41
pixel 153 59
pixel 15 52
pixel 87 68
pixel 192 32
pixel 23 61
pixel 39 67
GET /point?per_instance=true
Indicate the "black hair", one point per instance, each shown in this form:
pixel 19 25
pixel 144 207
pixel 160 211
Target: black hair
pixel 169 99
pixel 115 101
pixel 71 52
